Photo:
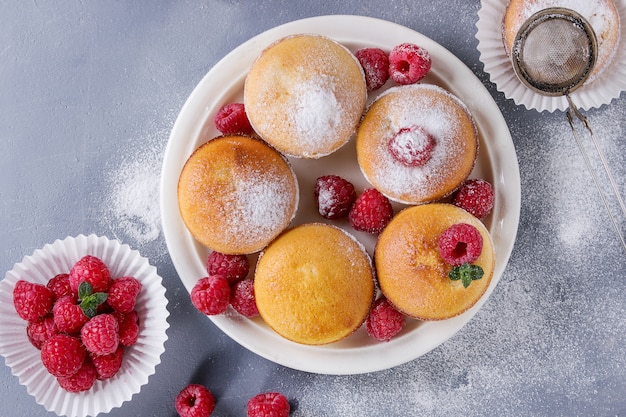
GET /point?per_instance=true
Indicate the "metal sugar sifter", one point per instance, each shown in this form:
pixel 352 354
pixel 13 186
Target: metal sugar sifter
pixel 553 53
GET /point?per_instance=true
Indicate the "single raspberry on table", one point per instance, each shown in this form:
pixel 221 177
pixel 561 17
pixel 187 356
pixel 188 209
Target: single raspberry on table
pixel 384 321
pixel 195 400
pixel 231 267
pixel 375 64
pixel 60 285
pixel 40 330
pixel 460 243
pixel 371 212
pixel 93 270
pixel 211 295
pixel 408 63
pixel 123 294
pixel 475 196
pixel 80 381
pixel 232 118
pixel 412 146
pixel 68 316
pixel 128 327
pixel 62 355
pixel 269 404
pixel 100 334
pixel 334 196
pixel 242 298
pixel 32 300
pixel 107 365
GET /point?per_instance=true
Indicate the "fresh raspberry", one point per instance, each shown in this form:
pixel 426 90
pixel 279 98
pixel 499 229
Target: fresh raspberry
pixel 93 270
pixel 211 295
pixel 375 63
pixel 242 298
pixel 232 118
pixel 128 327
pixel 412 146
pixel 269 404
pixel 108 365
pixel 82 380
pixel 334 196
pixel 371 212
pixel 60 285
pixel 123 294
pixel 195 400
pixel 40 330
pixel 384 321
pixel 32 300
pixel 62 355
pixel 231 267
pixel 475 196
pixel 408 63
pixel 460 243
pixel 68 316
pixel 100 334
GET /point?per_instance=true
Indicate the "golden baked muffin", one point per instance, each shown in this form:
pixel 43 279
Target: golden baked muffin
pixel 601 15
pixel 314 284
pixel 305 94
pixel 411 272
pixel 417 143
pixel 236 194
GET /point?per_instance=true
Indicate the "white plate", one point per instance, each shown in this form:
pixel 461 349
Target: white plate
pixel 224 83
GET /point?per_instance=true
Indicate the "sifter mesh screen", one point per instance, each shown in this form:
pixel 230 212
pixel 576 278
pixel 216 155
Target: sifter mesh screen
pixel 554 51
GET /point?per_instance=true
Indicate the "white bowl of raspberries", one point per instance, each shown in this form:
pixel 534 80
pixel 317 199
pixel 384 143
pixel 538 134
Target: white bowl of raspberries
pixel 84 324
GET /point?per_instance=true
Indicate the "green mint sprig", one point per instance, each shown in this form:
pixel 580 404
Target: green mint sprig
pixel 89 301
pixel 466 273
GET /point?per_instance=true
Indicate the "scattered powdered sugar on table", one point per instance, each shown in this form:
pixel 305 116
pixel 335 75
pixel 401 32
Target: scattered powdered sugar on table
pixel 132 205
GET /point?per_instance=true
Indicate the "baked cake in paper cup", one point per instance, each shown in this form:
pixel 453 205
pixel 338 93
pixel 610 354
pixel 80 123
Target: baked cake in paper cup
pixel 139 360
pixel 597 91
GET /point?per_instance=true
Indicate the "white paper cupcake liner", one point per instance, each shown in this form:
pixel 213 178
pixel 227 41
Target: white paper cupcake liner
pixel 607 86
pixel 140 359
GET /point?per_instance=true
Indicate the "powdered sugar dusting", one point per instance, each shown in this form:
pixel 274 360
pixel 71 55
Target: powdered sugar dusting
pixel 317 113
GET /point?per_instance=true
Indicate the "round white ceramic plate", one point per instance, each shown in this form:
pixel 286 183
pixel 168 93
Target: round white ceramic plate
pixel 224 83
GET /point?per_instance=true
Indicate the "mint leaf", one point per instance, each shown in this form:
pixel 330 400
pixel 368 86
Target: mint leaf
pixel 84 289
pixel 466 273
pixel 89 302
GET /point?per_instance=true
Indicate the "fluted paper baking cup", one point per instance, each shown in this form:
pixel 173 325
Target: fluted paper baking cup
pixel 140 359
pixel 607 86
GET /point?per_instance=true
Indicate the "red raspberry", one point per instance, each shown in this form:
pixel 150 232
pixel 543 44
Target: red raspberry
pixel 40 330
pixel 269 404
pixel 100 334
pixel 82 380
pixel 412 146
pixel 460 243
pixel 375 63
pixel 231 267
pixel 108 365
pixel 93 270
pixel 68 316
pixel 195 400
pixel 408 63
pixel 123 294
pixel 232 118
pixel 334 196
pixel 475 196
pixel 62 355
pixel 128 327
pixel 211 295
pixel 32 300
pixel 371 212
pixel 242 298
pixel 384 321
pixel 60 285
